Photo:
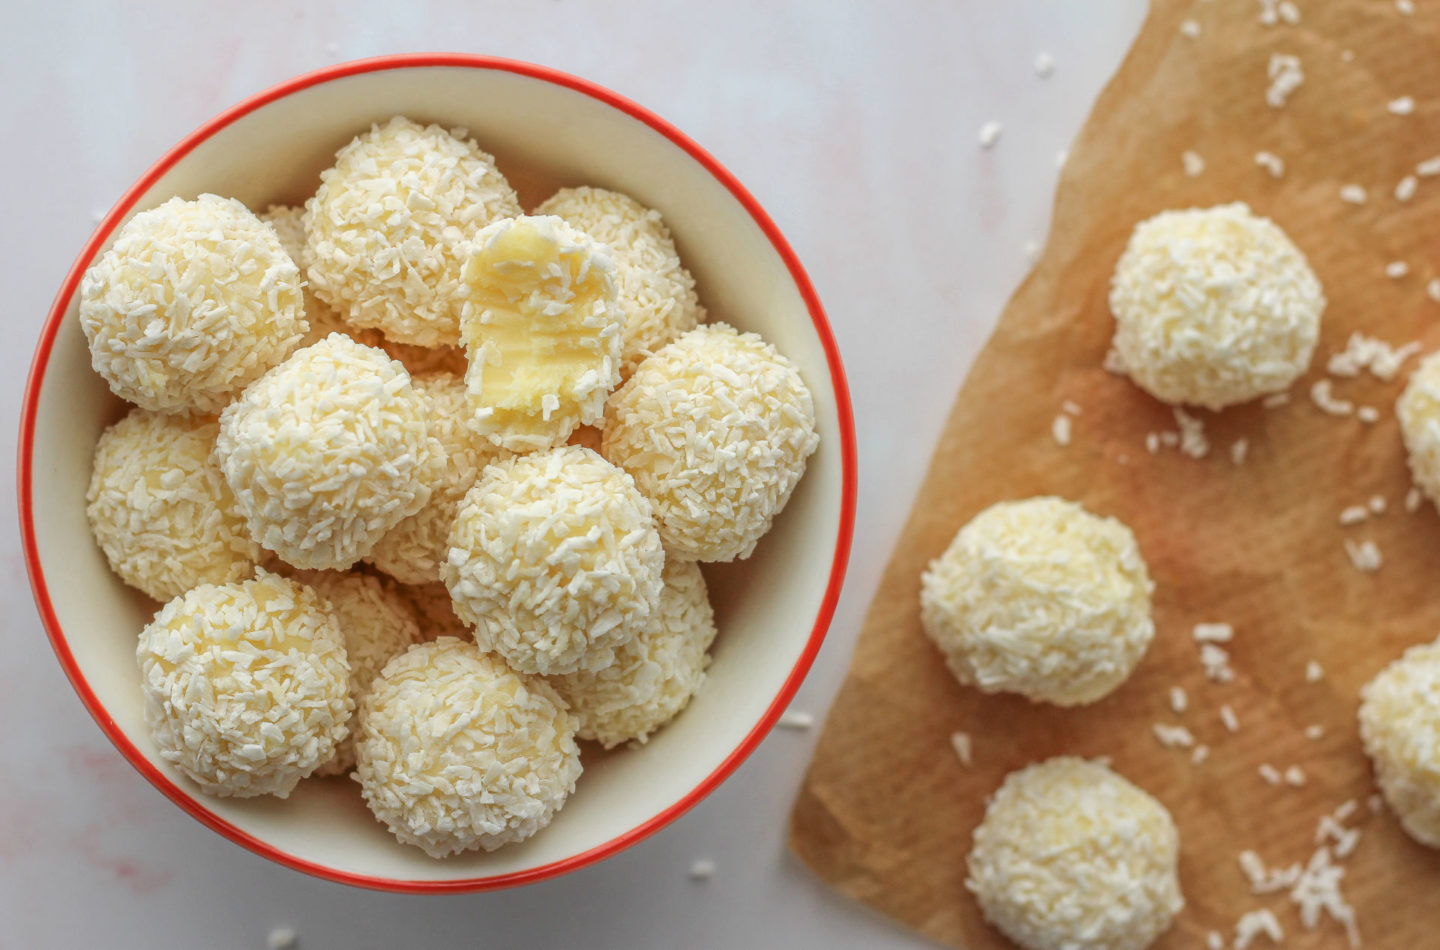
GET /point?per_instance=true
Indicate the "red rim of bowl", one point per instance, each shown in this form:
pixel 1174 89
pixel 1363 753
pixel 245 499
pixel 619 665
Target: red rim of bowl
pixel 842 405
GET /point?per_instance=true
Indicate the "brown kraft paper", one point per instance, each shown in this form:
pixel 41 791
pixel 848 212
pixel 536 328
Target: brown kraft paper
pixel 887 810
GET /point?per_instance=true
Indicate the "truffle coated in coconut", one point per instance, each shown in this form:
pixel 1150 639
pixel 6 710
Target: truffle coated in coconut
pixel 435 610
pixel 377 622
pixel 1042 598
pixel 1214 306
pixel 654 288
pixel 543 331
pixel 327 452
pixel 1419 412
pixel 1400 729
pixel 1071 856
pixel 716 429
pixel 193 301
pixel 160 508
pixel 246 685
pixel 554 560
pixel 655 673
pixel 389 224
pixel 458 752
pixel 289 224
pixel 414 549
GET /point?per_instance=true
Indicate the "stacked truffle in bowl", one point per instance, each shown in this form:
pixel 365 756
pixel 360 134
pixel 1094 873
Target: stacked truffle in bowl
pixel 423 481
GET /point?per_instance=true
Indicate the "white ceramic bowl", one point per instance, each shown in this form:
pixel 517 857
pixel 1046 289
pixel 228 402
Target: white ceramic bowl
pixel 547 130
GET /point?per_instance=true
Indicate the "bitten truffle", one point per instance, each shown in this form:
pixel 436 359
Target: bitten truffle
pixel 1039 597
pixel 655 673
pixel 327 452
pixel 655 290
pixel 1214 307
pixel 413 550
pixel 554 560
pixel 1419 412
pixel 377 623
pixel 716 429
pixel 1071 856
pixel 543 331
pixel 160 508
pixel 193 301
pixel 458 752
pixel 1400 729
pixel 390 222
pixel 247 688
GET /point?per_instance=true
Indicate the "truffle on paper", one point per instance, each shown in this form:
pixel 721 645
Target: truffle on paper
pixel 1042 598
pixel 1213 307
pixel 1418 409
pixel 1400 729
pixel 1071 856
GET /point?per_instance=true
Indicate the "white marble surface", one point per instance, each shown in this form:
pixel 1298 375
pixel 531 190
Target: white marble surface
pixel 853 122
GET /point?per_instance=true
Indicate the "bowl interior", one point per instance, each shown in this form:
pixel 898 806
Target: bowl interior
pixel 544 135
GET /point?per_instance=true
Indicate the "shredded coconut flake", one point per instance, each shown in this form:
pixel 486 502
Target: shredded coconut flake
pixel 702 869
pixel 1413 498
pixel 1269 773
pixel 1271 162
pixel 1228 717
pixel 1404 105
pixel 1314 672
pixel 1353 194
pixel 1405 188
pixel 1314 732
pixel 1294 776
pixel 1192 435
pixel 989 134
pixel 1216 663
pixel 1060 429
pixel 1044 64
pixel 1190 28
pixel 1199 754
pixel 1178 699
pixel 1255 924
pixel 1428 168
pixel 1396 269
pixel 794 719
pixel 1275 400
pixel 1362 352
pixel 1173 736
pixel 1365 556
pixel 1286 75
pixel 1239 449
pixel 280 938
pixel 1322 395
pixel 1193 163
pixel 1213 633
pixel 961 743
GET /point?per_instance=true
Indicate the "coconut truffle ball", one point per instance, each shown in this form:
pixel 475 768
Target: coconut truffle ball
pixel 414 549
pixel 1070 856
pixel 654 674
pixel 247 689
pixel 388 227
pixel 1039 597
pixel 289 224
pixel 459 752
pixel 1419 412
pixel 193 301
pixel 160 508
pixel 655 290
pixel 554 560
pixel 1214 306
pixel 1400 729
pixel 715 428
pixel 327 452
pixel 377 623
pixel 543 331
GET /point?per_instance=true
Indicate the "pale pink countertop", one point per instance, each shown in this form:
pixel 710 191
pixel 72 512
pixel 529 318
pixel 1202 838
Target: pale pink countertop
pixel 854 123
